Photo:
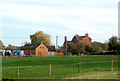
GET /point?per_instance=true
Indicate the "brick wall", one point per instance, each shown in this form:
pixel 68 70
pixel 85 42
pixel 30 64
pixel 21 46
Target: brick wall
pixel 74 39
pixel 31 52
pixel 41 50
pixel 86 41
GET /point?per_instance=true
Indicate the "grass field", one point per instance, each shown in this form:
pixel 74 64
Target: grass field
pixel 62 67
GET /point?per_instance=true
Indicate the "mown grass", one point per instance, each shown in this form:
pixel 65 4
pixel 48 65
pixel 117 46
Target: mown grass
pixel 62 66
pixel 95 75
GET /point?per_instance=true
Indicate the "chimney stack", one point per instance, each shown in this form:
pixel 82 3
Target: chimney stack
pixel 65 41
pixel 65 38
pixel 86 35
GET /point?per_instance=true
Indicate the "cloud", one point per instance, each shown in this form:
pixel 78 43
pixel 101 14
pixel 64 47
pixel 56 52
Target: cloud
pixel 84 17
pixel 66 2
pixel 0 31
pixel 63 17
pixel 36 28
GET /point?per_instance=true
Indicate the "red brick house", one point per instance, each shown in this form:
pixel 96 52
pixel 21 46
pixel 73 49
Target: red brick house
pixel 86 40
pixel 39 50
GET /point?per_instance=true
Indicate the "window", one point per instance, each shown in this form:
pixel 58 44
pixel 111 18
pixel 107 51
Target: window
pixel 49 53
pixel 53 53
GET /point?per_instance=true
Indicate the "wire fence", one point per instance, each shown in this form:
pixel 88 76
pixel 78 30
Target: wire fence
pixel 62 70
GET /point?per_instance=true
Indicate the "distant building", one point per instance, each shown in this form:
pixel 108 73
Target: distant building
pixel 39 50
pixel 17 53
pixel 86 40
pixel 2 52
pixel 11 53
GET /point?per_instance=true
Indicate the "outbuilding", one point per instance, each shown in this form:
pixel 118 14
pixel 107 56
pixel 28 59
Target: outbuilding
pixel 39 50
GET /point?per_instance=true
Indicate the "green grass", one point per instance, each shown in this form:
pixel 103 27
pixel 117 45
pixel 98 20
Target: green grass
pixel 95 75
pixel 62 66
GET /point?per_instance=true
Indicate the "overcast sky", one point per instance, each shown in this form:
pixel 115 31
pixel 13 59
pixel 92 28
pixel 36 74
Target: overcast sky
pixel 21 18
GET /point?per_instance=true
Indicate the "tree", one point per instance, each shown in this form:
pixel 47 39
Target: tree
pixel 27 44
pixel 104 46
pixel 75 48
pixel 97 46
pixel 1 45
pixel 11 47
pixel 88 49
pixel 39 37
pixel 113 44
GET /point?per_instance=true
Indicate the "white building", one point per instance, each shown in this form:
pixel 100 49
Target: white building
pixel 2 52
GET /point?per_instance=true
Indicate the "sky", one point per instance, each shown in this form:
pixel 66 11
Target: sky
pixel 21 18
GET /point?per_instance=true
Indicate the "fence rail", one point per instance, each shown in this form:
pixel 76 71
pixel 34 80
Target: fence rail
pixel 62 64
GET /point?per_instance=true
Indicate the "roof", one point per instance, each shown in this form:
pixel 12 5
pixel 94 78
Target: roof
pixel 79 37
pixel 69 41
pixel 51 48
pixel 32 47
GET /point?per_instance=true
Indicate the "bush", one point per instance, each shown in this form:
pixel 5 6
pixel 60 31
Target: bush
pixel 66 53
pixel 87 53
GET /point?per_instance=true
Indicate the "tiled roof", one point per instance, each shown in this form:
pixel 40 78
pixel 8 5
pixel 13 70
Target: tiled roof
pixel 79 37
pixel 32 47
pixel 51 48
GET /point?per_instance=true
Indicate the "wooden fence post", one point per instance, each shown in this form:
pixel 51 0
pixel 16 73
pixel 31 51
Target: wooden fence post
pixel 112 66
pixel 50 70
pixel 79 67
pixel 18 72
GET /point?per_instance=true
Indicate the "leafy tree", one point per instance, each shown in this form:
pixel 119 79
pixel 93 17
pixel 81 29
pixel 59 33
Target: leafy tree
pixel 113 44
pixel 11 47
pixel 104 46
pixel 27 44
pixel 97 46
pixel 39 37
pixel 1 45
pixel 71 47
pixel 60 50
pixel 88 49
pixel 75 48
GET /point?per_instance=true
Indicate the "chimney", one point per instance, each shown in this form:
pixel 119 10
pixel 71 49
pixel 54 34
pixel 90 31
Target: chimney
pixel 86 35
pixel 65 41
pixel 65 38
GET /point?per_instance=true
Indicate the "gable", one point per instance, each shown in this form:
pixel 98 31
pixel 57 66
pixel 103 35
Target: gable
pixel 77 38
pixel 42 47
pixel 86 38
pixel 87 41
pixel 74 39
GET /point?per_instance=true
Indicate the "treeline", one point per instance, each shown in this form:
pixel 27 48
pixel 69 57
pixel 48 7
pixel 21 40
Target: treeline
pixel 111 47
pixel 36 39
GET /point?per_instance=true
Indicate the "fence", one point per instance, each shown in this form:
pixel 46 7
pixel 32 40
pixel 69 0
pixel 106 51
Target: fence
pixel 62 70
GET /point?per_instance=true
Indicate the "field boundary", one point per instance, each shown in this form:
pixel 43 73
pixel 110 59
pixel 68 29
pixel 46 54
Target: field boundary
pixel 61 64
pixel 60 68
pixel 94 75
